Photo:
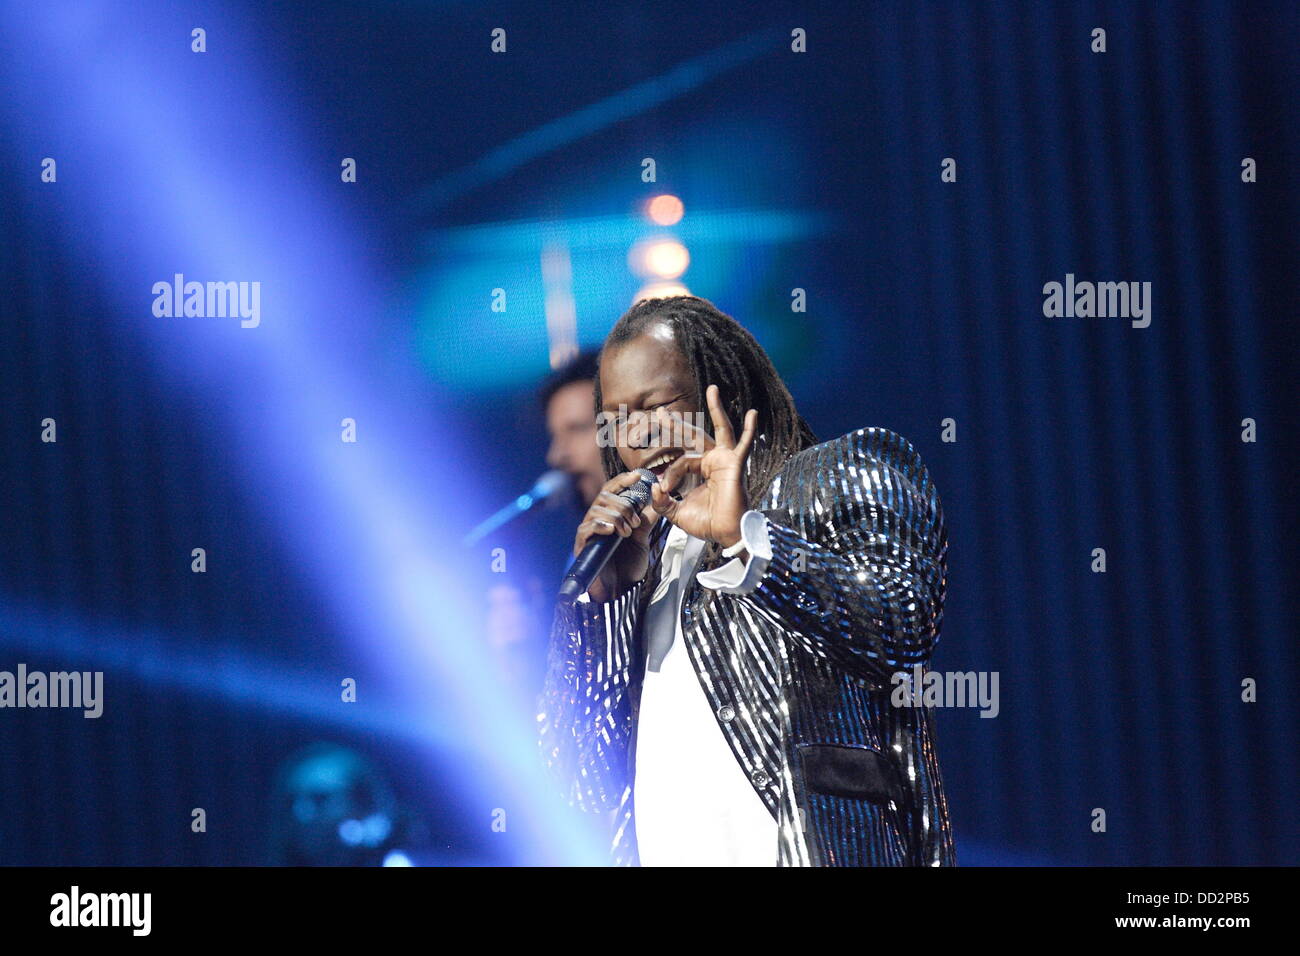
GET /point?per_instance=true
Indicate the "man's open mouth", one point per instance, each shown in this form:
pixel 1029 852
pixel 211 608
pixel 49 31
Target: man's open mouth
pixel 660 462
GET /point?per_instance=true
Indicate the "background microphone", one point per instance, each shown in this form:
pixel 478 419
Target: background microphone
pixel 545 487
pixel 601 547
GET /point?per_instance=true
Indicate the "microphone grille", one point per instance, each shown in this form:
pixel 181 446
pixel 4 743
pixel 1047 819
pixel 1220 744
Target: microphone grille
pixel 639 494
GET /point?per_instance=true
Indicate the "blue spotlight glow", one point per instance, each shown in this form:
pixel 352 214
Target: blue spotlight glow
pixel 363 520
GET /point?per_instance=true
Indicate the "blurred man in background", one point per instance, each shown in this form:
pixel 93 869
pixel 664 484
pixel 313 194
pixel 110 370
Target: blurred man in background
pixel 519 610
pixel 568 398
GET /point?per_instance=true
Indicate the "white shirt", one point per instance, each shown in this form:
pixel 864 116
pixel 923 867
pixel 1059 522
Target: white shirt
pixel 694 804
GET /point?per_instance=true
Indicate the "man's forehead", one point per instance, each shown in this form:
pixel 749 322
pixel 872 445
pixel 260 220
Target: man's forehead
pixel 631 374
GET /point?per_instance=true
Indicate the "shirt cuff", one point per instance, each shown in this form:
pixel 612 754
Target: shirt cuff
pixel 737 576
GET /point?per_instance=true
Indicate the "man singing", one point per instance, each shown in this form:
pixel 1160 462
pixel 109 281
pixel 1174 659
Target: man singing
pixel 724 685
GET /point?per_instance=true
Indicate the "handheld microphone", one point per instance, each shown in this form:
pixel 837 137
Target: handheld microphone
pixel 545 487
pixel 600 548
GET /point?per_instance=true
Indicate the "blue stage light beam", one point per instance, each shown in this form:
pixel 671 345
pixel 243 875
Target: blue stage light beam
pixel 152 660
pixel 180 162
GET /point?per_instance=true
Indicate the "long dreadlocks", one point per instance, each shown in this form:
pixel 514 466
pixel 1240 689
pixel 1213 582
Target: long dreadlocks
pixel 721 352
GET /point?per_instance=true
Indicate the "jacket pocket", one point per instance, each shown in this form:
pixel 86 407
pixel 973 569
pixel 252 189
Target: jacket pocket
pixel 848 770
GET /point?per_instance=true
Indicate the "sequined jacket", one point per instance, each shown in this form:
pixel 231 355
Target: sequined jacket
pixel 797 671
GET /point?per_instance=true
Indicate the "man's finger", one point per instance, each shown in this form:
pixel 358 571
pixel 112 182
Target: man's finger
pixel 721 424
pixel 679 469
pixel 616 503
pixel 609 516
pixel 674 426
pixel 621 482
pixel 747 436
pixel 663 502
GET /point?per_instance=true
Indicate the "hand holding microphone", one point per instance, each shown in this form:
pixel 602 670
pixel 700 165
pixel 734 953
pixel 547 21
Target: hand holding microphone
pixel 613 541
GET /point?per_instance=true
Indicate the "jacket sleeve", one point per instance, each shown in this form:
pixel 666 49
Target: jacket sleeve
pixel 865 589
pixel 584 712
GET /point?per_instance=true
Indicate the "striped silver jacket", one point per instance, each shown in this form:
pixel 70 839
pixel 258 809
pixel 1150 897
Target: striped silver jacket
pixel 798 671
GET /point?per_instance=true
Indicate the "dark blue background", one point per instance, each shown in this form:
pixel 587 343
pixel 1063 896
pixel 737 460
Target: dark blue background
pixel 1118 690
